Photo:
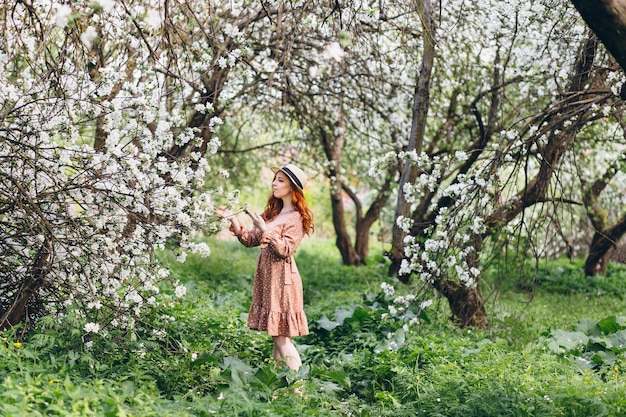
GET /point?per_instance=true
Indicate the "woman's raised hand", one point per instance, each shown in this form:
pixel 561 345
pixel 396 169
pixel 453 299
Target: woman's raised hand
pixel 223 212
pixel 257 220
pixel 226 213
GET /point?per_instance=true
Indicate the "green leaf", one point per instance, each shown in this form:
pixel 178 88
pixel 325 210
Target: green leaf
pixel 327 324
pixel 360 315
pixel 589 327
pixel 604 357
pixel 341 314
pixel 269 378
pixel 338 376
pixel 393 343
pixel 563 341
pixel 583 363
pixel 617 341
pixel 237 371
pixel 204 357
pixel 609 325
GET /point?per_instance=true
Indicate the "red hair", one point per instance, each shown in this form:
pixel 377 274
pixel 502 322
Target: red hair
pixel 275 205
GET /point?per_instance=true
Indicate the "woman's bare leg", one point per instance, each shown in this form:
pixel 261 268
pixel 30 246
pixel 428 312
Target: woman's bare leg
pixel 276 354
pixel 285 352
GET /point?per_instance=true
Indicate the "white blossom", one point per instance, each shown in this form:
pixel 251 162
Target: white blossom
pixel 88 36
pixel 106 5
pixel 387 288
pixel 63 15
pixel 153 18
pixel 334 51
pixel 180 291
pixel 91 327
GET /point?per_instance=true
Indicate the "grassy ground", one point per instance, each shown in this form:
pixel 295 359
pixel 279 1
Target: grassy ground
pixel 365 366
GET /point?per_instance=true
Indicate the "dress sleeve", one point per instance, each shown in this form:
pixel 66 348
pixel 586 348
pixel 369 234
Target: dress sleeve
pixel 248 238
pixel 284 240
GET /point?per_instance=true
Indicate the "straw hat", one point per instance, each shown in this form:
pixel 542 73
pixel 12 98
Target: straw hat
pixel 294 173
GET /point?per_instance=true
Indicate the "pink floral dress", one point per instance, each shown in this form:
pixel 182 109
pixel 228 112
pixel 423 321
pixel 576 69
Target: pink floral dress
pixel 277 297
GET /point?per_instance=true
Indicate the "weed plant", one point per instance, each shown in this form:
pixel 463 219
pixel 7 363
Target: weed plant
pixel 355 362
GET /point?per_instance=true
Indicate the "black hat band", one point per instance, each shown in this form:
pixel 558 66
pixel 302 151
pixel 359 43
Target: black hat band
pixel 292 177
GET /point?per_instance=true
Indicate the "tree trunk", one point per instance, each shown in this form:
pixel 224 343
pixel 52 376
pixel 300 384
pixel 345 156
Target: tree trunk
pixel 466 303
pixel 607 19
pixel 333 146
pixel 362 241
pixel 364 222
pixel 18 311
pixel 357 254
pixel 343 241
pixel 601 244
pixel 421 103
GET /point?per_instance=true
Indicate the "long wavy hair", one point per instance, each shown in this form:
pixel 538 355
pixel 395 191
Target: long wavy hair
pixel 275 205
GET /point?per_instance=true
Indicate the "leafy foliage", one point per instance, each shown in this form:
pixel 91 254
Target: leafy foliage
pixel 592 343
pixel 566 277
pixel 355 363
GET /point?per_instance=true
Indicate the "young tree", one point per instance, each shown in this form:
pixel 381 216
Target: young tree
pixel 421 103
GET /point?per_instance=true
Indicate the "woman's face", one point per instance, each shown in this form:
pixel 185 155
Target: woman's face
pixel 281 186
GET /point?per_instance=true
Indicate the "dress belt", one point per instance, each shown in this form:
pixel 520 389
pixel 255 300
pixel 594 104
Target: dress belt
pixel 288 272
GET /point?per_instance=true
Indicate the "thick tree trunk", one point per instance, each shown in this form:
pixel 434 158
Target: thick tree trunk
pixel 18 311
pixel 607 19
pixel 466 303
pixel 602 242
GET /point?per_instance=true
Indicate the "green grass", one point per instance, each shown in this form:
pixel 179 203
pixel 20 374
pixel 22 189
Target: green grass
pixel 213 365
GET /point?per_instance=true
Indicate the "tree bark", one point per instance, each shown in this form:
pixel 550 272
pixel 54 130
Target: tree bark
pixel 466 303
pixel 421 103
pixel 357 254
pixel 601 244
pixel 333 146
pixel 365 222
pixel 607 19
pixel 18 310
pixel 605 236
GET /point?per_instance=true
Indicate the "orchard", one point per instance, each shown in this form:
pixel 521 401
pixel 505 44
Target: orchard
pixel 457 151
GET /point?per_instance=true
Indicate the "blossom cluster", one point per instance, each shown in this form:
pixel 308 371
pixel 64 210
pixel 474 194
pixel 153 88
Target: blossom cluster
pixel 91 190
pixel 405 309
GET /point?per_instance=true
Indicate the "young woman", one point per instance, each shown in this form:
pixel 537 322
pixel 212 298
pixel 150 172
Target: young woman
pixel 277 298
